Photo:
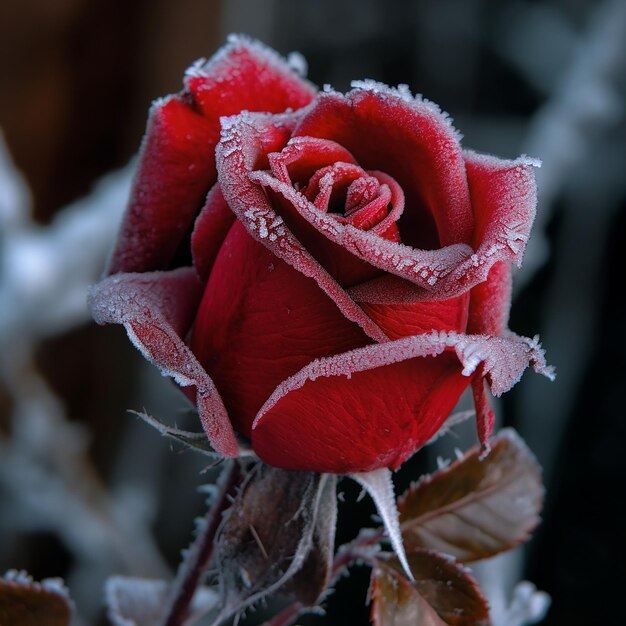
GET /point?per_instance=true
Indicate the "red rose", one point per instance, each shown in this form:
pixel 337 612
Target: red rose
pixel 350 264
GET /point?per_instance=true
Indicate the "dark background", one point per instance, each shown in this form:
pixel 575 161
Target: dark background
pixel 542 77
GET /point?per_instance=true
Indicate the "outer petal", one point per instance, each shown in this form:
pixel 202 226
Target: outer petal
pixel 261 321
pixel 246 141
pixel 177 163
pixel 373 407
pixel 246 75
pixel 157 309
pixel 410 139
pixel 176 168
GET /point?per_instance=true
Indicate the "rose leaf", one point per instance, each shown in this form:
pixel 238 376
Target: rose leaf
pixel 473 508
pixel 24 602
pixel 442 593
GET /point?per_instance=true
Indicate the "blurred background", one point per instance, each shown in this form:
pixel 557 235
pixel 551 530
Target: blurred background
pixel 85 489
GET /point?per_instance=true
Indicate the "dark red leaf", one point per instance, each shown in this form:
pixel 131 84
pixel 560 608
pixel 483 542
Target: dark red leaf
pixel 474 509
pixel 442 594
pixel 24 602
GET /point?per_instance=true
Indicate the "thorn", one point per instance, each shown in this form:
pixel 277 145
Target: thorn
pixel 259 542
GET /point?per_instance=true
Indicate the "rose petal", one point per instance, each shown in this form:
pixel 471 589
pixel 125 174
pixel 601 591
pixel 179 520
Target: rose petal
pixel 246 75
pixel 397 307
pixel 303 156
pixel 345 267
pixel 490 302
pixel 261 321
pixel 403 320
pixel 240 149
pixel 341 265
pixel 504 200
pixel 376 418
pixel 410 139
pixel 211 227
pixel 374 406
pixel 176 168
pixel 177 163
pixel 504 195
pixel 430 269
pixel 157 309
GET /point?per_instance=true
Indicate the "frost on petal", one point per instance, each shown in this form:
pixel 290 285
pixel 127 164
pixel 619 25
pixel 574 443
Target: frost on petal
pixel 246 75
pixel 177 163
pixel 245 140
pixel 176 169
pixel 157 310
pixel 373 407
pixel 429 269
pixel 504 200
pixel 410 139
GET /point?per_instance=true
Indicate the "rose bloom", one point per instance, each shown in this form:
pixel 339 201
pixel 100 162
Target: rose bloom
pixel 322 273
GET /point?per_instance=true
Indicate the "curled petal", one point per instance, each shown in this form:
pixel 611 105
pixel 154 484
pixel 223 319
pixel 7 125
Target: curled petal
pixel 242 146
pixel 504 200
pixel 374 406
pixel 157 309
pixel 303 156
pixel 429 269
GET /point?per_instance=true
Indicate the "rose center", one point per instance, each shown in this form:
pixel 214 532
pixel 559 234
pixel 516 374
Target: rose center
pixel 331 179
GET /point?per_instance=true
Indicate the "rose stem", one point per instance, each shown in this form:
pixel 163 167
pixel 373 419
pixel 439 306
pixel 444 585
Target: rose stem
pixel 193 568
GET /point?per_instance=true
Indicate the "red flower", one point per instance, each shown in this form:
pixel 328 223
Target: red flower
pixel 350 264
